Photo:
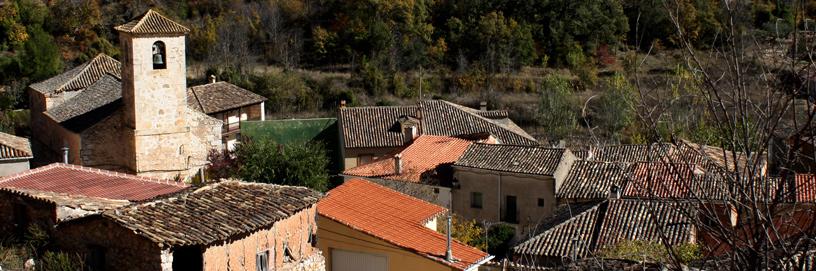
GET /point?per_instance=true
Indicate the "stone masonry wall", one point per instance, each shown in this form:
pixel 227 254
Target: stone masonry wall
pixel 294 231
pixel 123 249
pixel 102 144
pixel 38 212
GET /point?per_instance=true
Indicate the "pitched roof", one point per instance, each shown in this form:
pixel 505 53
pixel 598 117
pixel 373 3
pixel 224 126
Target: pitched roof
pixel 106 90
pixel 805 187
pixel 14 147
pixel 374 126
pixel 90 182
pixel 88 205
pixel 151 22
pixel 220 96
pixel 574 233
pixel 423 155
pixel 379 126
pixel 628 153
pixel 395 218
pixel 630 219
pixel 611 222
pixel 592 180
pixel 214 212
pixel 446 118
pixel 512 158
pixel 81 76
pixel 677 181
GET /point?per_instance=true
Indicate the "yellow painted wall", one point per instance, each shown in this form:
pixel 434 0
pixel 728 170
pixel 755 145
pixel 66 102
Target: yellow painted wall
pixel 333 235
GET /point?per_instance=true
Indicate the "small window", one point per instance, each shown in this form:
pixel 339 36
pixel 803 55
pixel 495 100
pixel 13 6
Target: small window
pixel 159 56
pixel 436 190
pixel 540 202
pixel 476 200
pixel 287 253
pixel 262 261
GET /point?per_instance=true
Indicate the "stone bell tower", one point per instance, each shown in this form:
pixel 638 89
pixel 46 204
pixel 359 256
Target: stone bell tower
pixel 154 98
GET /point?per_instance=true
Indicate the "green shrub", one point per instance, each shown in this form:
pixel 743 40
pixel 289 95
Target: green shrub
pixel 301 164
pixel 59 261
pixel 558 108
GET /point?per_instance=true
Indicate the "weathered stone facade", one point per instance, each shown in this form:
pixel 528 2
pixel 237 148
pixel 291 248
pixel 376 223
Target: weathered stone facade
pixel 124 248
pixel 17 212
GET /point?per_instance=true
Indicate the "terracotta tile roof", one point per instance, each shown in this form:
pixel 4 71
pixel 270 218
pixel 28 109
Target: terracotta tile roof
pixel 379 126
pixel 557 240
pixel 90 182
pixel 593 180
pixel 395 218
pixel 805 187
pixel 14 147
pixel 423 155
pixel 628 153
pixel 214 212
pixel 375 126
pixel 220 96
pixel 106 90
pixel 88 205
pixel 610 222
pixel 151 22
pixel 81 76
pixel 677 181
pixel 449 119
pixel 512 158
pixel 629 219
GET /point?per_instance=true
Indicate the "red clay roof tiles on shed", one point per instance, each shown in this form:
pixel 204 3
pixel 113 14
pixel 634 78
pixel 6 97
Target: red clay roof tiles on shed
pixel 395 218
pixel 90 182
pixel 425 154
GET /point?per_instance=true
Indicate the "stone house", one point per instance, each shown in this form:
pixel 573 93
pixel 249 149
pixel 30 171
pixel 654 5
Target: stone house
pixel 131 116
pixel 229 103
pixel 372 132
pixel 422 170
pixel 365 226
pixel 56 193
pixel 15 153
pixel 509 183
pixel 228 225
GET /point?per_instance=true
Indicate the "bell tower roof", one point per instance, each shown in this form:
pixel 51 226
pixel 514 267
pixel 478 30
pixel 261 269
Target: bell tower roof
pixel 151 22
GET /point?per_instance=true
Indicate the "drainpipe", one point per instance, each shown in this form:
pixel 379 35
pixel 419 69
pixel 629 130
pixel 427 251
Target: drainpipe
pixel 449 252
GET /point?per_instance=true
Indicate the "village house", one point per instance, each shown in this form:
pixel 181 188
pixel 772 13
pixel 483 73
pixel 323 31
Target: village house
pixel 509 183
pixel 422 170
pixel 229 103
pixel 370 133
pixel 15 154
pixel 132 116
pixel 58 192
pixel 365 226
pixel 228 225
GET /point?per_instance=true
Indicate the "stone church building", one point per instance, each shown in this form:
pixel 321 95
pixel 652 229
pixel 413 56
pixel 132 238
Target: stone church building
pixel 131 116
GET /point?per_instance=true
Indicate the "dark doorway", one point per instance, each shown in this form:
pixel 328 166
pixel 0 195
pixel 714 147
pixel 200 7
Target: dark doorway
pixel 511 211
pixel 95 259
pixel 188 258
pixel 21 220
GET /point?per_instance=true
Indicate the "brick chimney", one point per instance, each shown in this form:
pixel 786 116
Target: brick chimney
pixel 398 164
pixel 212 78
pixel 483 106
pixel 342 103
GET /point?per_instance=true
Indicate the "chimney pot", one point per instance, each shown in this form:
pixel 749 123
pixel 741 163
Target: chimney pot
pixel 483 105
pixel 614 192
pixel 212 78
pixel 342 103
pixel 65 154
pixel 398 164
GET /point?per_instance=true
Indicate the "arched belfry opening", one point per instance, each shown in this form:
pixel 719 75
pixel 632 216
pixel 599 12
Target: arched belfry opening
pixel 159 56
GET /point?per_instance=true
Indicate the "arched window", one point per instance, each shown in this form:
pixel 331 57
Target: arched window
pixel 159 56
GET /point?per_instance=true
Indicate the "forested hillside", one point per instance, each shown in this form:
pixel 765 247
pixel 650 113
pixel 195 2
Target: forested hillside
pixel 529 56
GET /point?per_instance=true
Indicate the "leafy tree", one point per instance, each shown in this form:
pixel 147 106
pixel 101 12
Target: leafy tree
pixel 616 109
pixel 42 57
pixel 465 230
pixel 557 113
pixel 301 164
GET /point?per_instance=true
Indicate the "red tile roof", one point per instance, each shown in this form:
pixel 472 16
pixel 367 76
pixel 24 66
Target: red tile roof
pixel 423 155
pixel 670 180
pixel 90 182
pixel 395 218
pixel 805 188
